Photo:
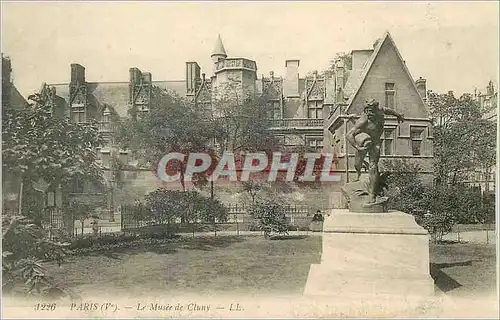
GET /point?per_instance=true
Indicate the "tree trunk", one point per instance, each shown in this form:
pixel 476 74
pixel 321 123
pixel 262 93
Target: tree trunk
pixel 215 228
pixel 183 184
pixel 20 198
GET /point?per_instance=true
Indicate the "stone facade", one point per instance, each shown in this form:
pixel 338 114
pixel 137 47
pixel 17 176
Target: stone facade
pixel 381 73
pixel 307 111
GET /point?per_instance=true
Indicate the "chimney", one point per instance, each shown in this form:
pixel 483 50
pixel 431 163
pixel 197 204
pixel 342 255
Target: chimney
pixel 146 77
pixel 192 77
pixel 422 87
pixel 339 80
pixel 359 57
pixel 77 73
pixel 291 85
pixel 490 90
pixel 135 76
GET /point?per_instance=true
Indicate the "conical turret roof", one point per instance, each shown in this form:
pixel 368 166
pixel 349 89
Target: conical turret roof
pixel 219 47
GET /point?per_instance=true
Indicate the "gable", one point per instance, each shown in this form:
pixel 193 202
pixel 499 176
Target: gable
pixel 204 95
pixel 387 66
pixel 273 88
pixel 16 99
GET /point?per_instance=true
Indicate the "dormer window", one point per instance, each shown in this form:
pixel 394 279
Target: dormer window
pixel 78 113
pixel 315 110
pixel 106 115
pixel 105 125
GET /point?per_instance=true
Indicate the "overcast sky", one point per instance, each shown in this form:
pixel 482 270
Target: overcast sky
pixel 453 45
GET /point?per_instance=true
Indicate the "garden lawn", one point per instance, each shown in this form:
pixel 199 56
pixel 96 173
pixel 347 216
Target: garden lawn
pixel 467 269
pixel 249 265
pixel 201 265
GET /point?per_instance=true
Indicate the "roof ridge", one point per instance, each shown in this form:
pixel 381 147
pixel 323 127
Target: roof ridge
pixel 369 65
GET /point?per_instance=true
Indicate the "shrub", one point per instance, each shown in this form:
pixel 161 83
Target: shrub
pixel 109 242
pixel 25 246
pixel 271 217
pixel 164 206
pixel 437 208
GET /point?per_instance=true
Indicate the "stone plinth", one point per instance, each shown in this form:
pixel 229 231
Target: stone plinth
pixel 372 254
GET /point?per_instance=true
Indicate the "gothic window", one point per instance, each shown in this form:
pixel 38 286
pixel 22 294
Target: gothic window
pixel 274 109
pixel 106 117
pixel 315 110
pixel 390 92
pixel 77 186
pixel 78 113
pixel 315 143
pixel 416 140
pixel 388 141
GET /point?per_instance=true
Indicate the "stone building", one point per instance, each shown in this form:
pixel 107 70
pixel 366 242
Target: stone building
pixel 311 111
pixel 380 73
pixel 488 101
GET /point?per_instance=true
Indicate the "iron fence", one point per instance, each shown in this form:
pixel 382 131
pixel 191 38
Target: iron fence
pixel 239 219
pixel 59 222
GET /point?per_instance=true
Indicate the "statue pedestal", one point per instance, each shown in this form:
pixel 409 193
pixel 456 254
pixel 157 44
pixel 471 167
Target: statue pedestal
pixel 372 255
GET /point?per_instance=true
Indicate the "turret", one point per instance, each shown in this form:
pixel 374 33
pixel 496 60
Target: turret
pixel 219 52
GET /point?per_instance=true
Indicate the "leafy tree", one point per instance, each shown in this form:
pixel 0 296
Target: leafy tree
pixel 164 206
pixel 404 188
pixel 38 146
pixel 253 187
pixel 271 217
pixel 242 123
pixel 438 207
pixel 463 140
pixel 171 125
pixel 213 212
pixel 346 57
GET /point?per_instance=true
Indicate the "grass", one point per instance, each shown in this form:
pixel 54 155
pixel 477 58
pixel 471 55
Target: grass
pixel 200 265
pixel 248 265
pixel 464 269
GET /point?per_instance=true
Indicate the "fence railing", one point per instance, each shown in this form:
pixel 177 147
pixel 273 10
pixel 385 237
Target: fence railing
pixel 59 223
pixel 239 219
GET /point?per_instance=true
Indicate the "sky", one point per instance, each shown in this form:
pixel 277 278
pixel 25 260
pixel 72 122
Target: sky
pixel 454 45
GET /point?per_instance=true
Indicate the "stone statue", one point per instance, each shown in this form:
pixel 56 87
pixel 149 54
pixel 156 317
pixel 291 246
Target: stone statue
pixel 365 137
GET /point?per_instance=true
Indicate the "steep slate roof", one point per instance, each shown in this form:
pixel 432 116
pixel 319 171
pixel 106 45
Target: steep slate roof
pixel 358 80
pixel 116 94
pixel 16 98
pixel 219 47
pixel 353 81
